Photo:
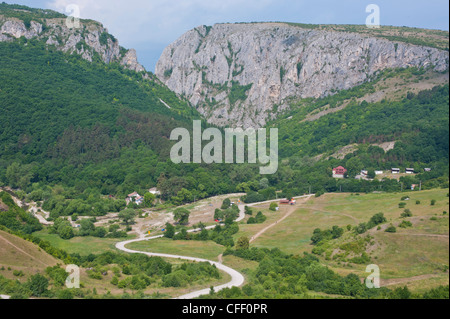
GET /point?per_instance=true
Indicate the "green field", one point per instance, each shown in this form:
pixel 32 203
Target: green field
pixel 206 250
pixel 416 256
pixel 81 245
pixel 421 251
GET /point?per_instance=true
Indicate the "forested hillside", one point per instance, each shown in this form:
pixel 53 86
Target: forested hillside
pixel 96 129
pixel 78 130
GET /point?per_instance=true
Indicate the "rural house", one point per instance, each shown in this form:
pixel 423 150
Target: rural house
pixel 339 172
pixel 154 191
pixel 136 198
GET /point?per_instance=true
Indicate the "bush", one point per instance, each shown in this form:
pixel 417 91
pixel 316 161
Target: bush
pixel 65 294
pixel 405 224
pixel 273 206
pixel 401 205
pixel 66 233
pixel 361 228
pixel 376 220
pixel 259 219
pixel 248 211
pixel 226 203
pixel 18 273
pixel 406 213
pixel 391 229
pixel 417 202
pixel 433 202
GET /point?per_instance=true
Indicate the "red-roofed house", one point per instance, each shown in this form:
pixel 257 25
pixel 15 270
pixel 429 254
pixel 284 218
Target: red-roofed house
pixel 339 172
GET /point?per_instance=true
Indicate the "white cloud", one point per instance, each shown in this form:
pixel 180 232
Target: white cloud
pixel 156 23
pixel 157 20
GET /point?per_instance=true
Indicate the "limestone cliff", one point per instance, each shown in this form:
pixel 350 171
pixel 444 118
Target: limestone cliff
pixel 90 39
pixel 245 74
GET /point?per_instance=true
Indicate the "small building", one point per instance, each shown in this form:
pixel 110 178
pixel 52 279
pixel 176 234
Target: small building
pixel 409 171
pixel 414 186
pixel 139 200
pixel 379 172
pixel 339 172
pixel 154 191
pixel 364 172
pixel 395 171
pixel 427 169
pixel 134 197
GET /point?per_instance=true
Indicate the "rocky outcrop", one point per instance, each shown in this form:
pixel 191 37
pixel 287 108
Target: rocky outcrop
pixel 245 74
pixel 131 62
pixel 17 29
pixel 89 40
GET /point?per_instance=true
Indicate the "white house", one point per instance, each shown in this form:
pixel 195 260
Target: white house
pixel 409 171
pixel 378 172
pixel 395 171
pixel 154 191
pixel 135 197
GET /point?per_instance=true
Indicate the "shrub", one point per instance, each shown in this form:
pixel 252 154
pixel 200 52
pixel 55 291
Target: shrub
pixel 361 228
pixel 226 203
pixel 248 211
pixel 417 202
pixel 405 224
pixel 376 219
pixel 18 273
pixel 406 213
pixel 433 202
pixel 391 229
pixel 401 205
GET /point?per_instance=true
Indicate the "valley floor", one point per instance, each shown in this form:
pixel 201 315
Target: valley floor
pixel 416 256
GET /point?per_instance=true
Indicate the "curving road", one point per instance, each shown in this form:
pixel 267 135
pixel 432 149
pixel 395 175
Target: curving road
pixel 237 279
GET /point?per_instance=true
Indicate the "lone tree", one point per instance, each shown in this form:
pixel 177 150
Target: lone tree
pixel 127 216
pixel 181 216
pixel 243 243
pixel 170 231
pixel 38 285
pixel 226 203
pixel 149 199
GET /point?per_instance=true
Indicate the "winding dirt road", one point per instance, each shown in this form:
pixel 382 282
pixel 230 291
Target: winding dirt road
pixel 237 279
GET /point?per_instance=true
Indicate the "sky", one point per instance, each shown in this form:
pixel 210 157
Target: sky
pixel 150 25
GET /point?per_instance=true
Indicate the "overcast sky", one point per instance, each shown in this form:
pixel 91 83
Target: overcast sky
pixel 150 25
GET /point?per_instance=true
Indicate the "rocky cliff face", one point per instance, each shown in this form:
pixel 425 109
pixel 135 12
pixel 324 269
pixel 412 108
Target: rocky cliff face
pixel 89 40
pixel 245 74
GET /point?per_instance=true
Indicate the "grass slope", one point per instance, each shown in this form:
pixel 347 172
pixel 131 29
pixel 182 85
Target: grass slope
pixel 21 255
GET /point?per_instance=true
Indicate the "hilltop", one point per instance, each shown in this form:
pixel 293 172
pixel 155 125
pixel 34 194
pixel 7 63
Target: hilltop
pixel 89 40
